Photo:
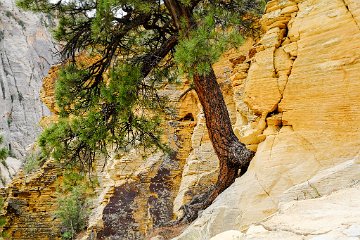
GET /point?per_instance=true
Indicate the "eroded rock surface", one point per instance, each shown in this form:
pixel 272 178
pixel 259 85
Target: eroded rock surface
pixel 303 86
pixel 31 203
pixel 26 54
pixel 292 97
pixel 328 217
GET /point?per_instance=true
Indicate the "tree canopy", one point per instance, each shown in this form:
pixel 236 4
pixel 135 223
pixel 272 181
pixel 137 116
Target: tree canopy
pixel 135 46
pixel 117 53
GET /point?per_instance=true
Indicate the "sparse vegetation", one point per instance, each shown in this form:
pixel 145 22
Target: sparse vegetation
pixel 73 212
pixel 9 14
pixel 136 46
pixel 73 206
pixel 34 161
pixel 31 164
pixel 3 235
pixel 3 151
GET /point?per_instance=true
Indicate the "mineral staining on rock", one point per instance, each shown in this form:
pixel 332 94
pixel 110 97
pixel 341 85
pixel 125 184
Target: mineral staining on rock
pixel 292 97
pixel 31 203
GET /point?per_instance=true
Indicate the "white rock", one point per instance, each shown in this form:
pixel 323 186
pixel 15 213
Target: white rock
pixel 353 231
pixel 229 235
pixel 253 229
pixel 26 53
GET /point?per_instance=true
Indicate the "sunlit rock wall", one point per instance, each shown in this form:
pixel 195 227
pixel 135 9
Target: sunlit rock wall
pixel 292 97
pixel 302 88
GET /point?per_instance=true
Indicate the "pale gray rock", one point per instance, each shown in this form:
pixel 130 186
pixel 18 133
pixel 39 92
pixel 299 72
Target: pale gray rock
pixel 344 175
pixel 229 235
pixel 331 217
pixel 26 54
pixel 324 207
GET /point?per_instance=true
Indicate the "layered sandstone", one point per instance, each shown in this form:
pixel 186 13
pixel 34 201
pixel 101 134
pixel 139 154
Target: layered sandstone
pixel 31 204
pixel 327 217
pixel 139 194
pixel 302 84
pixel 292 97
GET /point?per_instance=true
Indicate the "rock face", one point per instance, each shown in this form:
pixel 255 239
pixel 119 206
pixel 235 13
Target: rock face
pixel 302 85
pixel 26 54
pixel 292 97
pixel 31 203
pixel 327 217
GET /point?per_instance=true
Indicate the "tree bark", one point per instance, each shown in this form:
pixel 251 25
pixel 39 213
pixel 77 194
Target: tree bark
pixel 179 13
pixel 232 154
pixel 226 145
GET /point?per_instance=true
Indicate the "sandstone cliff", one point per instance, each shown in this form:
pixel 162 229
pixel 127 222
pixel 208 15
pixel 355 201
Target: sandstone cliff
pixel 303 84
pixel 292 97
pixel 26 54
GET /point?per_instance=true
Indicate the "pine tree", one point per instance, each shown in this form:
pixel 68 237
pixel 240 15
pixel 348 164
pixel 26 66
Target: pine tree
pixel 135 45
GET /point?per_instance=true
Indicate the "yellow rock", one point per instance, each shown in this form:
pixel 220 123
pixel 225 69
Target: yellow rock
pixel 296 102
pixel 309 83
pixel 31 203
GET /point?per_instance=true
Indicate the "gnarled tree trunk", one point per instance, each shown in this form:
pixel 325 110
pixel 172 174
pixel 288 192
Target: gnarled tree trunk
pixel 230 151
pixel 232 154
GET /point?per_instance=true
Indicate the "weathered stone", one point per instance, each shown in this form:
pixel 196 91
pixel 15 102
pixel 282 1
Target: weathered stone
pixel 30 205
pixel 309 86
pixel 25 57
pixel 342 176
pixel 26 54
pixel 229 235
pixel 201 168
pixel 328 217
pixel 262 73
pixel 295 102
pixel 273 37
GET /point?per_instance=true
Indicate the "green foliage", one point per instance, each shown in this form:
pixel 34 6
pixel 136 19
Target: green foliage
pixel 2 217
pixel 137 46
pixel 99 119
pixel 3 151
pixel 73 207
pixel 196 53
pixel 72 212
pixel 218 29
pixel 31 164
pixel 34 161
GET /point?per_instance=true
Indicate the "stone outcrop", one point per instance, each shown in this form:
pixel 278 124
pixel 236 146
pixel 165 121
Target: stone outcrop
pixel 137 191
pixel 323 207
pixel 292 97
pixel 327 217
pixel 201 167
pixel 26 54
pixel 301 87
pixel 138 194
pixel 31 203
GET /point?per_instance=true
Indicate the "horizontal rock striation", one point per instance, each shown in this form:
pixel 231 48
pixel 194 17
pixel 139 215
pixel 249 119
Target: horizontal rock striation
pixel 292 97
pixel 302 84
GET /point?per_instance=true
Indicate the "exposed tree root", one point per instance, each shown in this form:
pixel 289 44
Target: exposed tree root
pixel 199 202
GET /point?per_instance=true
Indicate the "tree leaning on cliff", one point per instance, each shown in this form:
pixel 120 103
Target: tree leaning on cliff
pixel 136 46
